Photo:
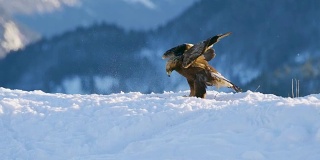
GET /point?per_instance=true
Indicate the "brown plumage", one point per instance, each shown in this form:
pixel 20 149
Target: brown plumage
pixel 191 61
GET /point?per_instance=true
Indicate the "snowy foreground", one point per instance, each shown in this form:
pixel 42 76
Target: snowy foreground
pixel 249 126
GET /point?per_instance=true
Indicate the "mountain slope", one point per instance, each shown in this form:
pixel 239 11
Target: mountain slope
pixel 128 14
pixel 266 34
pixel 23 22
pixel 100 59
pixel 13 36
pixel 267 37
pixel 38 125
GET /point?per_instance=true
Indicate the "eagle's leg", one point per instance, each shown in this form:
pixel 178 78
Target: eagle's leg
pixel 191 85
pixel 200 86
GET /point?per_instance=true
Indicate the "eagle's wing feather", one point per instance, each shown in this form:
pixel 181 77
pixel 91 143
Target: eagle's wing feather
pixel 211 41
pixel 175 51
pixel 209 54
pixel 200 62
pixel 192 54
pixel 198 49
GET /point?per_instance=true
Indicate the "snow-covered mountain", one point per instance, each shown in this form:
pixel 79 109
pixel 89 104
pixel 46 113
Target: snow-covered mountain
pixel 34 6
pixel 38 125
pixel 100 59
pixel 13 36
pixel 128 14
pixel 265 52
pixel 23 22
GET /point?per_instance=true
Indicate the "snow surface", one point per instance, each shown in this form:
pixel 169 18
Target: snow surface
pixel 249 125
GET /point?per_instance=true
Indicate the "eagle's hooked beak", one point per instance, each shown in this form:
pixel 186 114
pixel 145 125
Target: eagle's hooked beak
pixel 169 73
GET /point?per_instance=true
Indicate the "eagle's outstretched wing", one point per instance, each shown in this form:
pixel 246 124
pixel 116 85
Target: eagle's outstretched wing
pixel 198 49
pixel 192 54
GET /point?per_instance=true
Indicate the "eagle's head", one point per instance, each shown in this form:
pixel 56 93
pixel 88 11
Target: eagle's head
pixel 169 68
pixel 172 64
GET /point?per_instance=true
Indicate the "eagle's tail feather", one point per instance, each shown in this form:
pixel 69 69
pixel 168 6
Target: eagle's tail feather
pixel 222 81
pixel 236 88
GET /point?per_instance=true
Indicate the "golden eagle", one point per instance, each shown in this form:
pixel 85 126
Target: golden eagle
pixel 191 61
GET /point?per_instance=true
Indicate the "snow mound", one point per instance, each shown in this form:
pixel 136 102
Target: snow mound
pixel 250 126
